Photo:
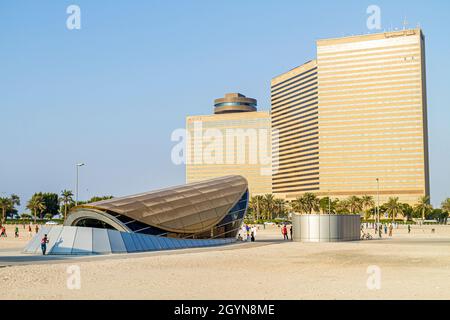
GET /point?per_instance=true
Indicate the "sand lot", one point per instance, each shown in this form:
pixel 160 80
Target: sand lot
pixel 412 266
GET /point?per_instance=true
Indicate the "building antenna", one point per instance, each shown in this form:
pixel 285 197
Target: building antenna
pixel 405 23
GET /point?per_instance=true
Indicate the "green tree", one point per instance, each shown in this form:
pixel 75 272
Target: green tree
pixel 279 207
pixel 268 205
pixel 307 203
pixel 423 206
pixel 445 205
pixel 325 205
pixel 99 198
pixel 5 204
pixel 37 205
pixel 342 207
pixel 354 204
pixel 51 201
pixel 393 207
pixel 66 199
pixel 368 204
pixel 408 211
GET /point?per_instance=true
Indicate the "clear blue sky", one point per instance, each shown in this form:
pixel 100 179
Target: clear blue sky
pixel 111 93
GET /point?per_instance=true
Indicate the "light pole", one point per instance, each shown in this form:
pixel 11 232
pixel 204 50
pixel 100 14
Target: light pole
pixel 378 200
pixel 76 196
pixel 329 202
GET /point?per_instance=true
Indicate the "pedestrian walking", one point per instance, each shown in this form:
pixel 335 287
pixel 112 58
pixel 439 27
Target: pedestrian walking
pixel 16 232
pixel 290 231
pixel 409 228
pixel 254 229
pixel 30 233
pixel 37 228
pixel 385 229
pixel 391 227
pixel 3 234
pixel 284 232
pixel 44 242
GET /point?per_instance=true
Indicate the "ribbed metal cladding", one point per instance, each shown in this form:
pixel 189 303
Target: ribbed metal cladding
pixel 295 118
pixel 190 208
pixel 326 228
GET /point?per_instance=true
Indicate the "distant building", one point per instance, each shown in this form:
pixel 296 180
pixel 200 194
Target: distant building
pixel 356 114
pixel 295 116
pixel 235 140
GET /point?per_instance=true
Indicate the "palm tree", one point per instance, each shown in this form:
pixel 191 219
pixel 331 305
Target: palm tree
pixel 367 204
pixel 5 204
pixel 423 206
pixel 354 204
pixel 66 198
pixel 259 199
pixel 393 207
pixel 325 204
pixel 307 203
pixel 407 211
pixel 445 205
pixel 279 206
pixel 36 204
pixel 341 207
pixel 15 200
pixel 269 204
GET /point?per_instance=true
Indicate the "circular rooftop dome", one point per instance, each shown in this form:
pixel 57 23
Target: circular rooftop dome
pixel 234 102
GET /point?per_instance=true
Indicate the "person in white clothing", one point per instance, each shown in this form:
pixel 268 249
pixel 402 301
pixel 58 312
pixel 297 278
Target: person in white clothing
pixel 244 233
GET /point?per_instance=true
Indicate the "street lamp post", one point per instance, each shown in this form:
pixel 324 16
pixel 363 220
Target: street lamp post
pixel 329 202
pixel 76 196
pixel 378 200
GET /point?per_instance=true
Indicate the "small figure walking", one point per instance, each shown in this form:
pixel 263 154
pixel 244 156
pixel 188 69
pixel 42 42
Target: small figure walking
pixel 3 234
pixel 44 242
pixel 16 232
pixel 284 232
pixel 37 228
pixel 253 233
pixel 29 230
pixel 385 229
pixel 290 231
pixel 379 232
pixel 409 228
pixel 390 230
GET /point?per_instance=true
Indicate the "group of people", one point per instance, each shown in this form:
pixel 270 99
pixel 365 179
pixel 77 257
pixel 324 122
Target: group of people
pixel 379 228
pixel 247 233
pixel 3 233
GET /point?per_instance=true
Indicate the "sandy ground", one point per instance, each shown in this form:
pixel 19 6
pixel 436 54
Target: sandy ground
pixel 18 243
pixel 412 266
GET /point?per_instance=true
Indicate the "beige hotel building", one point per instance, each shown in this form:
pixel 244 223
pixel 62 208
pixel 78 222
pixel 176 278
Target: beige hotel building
pixel 235 140
pixel 356 114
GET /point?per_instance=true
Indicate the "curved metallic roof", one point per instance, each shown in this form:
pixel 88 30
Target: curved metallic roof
pixel 189 208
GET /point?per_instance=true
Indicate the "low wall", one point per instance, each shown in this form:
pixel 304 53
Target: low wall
pixel 69 240
pixel 326 228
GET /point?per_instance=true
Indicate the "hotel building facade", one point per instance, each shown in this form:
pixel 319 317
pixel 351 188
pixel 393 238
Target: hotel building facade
pixel 235 140
pixel 354 121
